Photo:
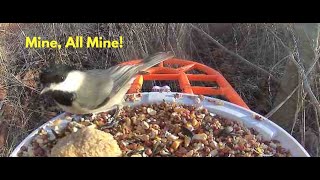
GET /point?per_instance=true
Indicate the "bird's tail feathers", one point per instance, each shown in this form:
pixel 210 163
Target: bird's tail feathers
pixel 155 59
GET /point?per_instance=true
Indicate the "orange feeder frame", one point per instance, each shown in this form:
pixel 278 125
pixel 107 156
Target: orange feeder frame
pixel 167 73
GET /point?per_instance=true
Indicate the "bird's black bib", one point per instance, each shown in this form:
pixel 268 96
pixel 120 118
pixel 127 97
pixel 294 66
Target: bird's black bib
pixel 63 98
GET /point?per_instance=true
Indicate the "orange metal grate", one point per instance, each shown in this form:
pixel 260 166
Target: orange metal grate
pixel 161 72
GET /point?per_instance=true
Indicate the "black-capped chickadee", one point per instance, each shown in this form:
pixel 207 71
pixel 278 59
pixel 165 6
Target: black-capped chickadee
pixel 93 91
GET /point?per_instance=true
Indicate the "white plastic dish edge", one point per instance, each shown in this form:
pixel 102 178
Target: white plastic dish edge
pixel 264 126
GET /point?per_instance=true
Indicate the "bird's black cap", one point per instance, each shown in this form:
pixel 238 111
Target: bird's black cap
pixel 55 73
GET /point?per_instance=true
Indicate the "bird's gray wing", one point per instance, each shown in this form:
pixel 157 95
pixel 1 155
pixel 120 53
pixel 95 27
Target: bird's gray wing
pixel 100 85
pixel 123 75
pixel 105 84
pixel 95 88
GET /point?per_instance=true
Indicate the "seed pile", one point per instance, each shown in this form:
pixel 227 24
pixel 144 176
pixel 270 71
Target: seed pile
pixel 166 130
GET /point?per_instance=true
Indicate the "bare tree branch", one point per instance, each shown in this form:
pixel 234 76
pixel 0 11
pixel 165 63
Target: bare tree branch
pixel 304 75
pixel 232 53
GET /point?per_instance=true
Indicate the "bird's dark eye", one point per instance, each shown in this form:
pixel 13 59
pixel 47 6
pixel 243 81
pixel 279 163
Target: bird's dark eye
pixel 62 78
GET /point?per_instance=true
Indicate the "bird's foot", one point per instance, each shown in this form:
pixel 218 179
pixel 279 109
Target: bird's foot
pixel 118 111
pixel 94 115
pixel 114 119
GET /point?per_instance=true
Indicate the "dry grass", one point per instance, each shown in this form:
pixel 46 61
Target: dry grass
pixel 24 109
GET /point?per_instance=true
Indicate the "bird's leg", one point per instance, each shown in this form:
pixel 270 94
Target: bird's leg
pixel 118 110
pixel 93 115
pixel 114 120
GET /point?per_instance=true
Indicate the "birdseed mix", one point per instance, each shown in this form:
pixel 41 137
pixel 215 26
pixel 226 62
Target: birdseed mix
pixel 165 130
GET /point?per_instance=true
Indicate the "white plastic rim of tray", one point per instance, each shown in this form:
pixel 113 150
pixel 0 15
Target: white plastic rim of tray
pixel 265 127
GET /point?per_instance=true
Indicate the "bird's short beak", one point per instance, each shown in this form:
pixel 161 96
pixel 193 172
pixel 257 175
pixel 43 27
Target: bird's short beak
pixel 44 90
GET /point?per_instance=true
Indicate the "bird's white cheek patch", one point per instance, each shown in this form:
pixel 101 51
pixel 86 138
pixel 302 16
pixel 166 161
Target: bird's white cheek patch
pixel 72 82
